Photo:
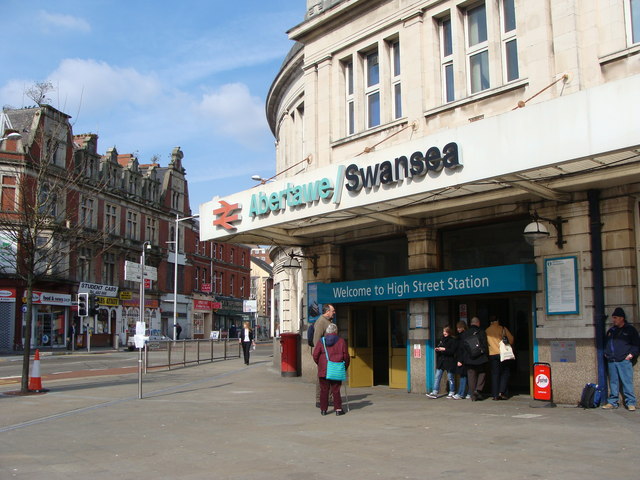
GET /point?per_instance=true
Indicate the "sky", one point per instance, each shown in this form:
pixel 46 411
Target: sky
pixel 151 75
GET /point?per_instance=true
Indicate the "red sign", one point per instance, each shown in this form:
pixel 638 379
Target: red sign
pixel 201 304
pixel 206 287
pixel 147 284
pixel 224 215
pixel 542 381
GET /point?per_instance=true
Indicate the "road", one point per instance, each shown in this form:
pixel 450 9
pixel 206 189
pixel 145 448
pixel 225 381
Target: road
pixel 59 365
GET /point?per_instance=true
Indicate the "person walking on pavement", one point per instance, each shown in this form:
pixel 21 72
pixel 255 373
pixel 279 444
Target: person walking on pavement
pixel 246 340
pixel 324 320
pixel 476 364
pixel 336 350
pixel 178 331
pixel 621 351
pixel 500 371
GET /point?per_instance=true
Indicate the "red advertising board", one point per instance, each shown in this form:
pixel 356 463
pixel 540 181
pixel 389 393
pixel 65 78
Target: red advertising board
pixel 542 381
pixel 206 287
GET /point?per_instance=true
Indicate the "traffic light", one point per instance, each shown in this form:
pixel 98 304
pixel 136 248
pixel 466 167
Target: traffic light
pixel 93 308
pixel 83 304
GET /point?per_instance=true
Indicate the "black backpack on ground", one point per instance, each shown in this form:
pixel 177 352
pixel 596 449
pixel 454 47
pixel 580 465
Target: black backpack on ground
pixel 473 345
pixel 591 396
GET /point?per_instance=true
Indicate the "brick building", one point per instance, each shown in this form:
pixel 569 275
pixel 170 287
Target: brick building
pixel 120 207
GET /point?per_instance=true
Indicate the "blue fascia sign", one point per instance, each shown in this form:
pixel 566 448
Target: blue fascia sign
pixel 508 278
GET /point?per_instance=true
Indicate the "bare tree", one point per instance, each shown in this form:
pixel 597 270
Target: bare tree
pixel 44 223
pixel 38 92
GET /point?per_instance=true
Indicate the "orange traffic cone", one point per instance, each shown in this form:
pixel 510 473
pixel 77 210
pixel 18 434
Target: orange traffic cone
pixel 35 381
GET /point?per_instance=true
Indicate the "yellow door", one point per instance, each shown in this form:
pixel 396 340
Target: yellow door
pixel 397 348
pixel 360 349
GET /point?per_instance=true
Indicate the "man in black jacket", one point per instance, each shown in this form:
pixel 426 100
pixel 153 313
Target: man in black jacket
pixel 621 349
pixel 476 362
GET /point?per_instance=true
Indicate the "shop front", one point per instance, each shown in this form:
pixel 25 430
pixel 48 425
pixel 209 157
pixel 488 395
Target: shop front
pixel 203 317
pixel 229 317
pixel 50 319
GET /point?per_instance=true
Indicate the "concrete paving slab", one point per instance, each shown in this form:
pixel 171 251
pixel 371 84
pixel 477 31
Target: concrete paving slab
pixel 229 421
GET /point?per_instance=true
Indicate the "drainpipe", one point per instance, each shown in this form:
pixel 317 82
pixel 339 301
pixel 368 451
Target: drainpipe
pixel 599 317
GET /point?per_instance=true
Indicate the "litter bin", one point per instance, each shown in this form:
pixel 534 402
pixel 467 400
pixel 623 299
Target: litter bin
pixel 289 354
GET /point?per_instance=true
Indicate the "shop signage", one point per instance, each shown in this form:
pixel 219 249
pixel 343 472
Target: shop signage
pixel 8 295
pixel 231 304
pixel 135 302
pixel 108 301
pixel 44 298
pixel 202 304
pixel 125 295
pixel 508 278
pixel 98 289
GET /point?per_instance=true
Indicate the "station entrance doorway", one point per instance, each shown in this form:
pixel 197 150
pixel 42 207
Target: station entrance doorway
pixel 378 345
pixel 514 312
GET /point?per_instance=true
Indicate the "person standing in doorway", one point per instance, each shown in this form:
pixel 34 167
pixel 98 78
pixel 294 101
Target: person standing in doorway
pixel 320 327
pixel 246 340
pixel 445 361
pixel 475 360
pixel 461 370
pixel 500 371
pixel 621 351
pixel 178 331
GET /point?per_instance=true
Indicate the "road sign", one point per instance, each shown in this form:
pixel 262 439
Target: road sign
pixel 206 288
pixel 132 272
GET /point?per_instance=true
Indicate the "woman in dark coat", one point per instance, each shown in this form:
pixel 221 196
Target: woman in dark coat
pixel 445 361
pixel 336 349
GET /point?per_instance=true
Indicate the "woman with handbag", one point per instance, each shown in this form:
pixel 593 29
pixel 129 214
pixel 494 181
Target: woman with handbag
pixel 330 350
pixel 500 369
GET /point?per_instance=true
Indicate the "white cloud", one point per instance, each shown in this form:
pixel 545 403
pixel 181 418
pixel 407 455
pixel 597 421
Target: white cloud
pixel 233 111
pixel 89 85
pixel 65 22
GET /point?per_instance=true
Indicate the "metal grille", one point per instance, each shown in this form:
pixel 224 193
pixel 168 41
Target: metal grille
pixel 6 326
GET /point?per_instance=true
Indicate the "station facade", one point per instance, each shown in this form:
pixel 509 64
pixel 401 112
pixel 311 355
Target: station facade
pixel 416 141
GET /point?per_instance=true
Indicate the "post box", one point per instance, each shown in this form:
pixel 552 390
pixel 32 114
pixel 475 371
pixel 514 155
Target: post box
pixel 289 343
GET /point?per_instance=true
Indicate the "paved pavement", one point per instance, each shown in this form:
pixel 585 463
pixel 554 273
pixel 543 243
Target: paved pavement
pixel 230 421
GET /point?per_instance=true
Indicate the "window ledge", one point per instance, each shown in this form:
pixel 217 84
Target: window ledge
pixel 370 131
pixel 478 96
pixel 627 52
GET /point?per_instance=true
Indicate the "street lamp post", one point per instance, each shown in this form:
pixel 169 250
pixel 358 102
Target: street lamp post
pixel 175 271
pixel 145 246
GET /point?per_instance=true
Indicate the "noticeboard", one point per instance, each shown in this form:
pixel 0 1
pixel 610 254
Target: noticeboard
pixel 561 285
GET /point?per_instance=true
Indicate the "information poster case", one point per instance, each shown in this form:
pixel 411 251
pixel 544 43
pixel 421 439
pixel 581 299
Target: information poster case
pixel 561 285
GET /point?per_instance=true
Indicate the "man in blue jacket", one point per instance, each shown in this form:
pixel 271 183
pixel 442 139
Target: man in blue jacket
pixel 622 348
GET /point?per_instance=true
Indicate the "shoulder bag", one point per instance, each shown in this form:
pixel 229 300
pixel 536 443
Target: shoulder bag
pixel 506 351
pixel 335 370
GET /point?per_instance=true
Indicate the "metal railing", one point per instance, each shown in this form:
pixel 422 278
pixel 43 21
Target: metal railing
pixel 170 353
